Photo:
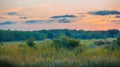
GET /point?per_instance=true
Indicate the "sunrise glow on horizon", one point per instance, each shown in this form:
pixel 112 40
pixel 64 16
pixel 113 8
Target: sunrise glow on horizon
pixel 59 14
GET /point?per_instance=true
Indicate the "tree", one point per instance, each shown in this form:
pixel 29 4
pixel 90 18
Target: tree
pixel 112 32
pixel 8 35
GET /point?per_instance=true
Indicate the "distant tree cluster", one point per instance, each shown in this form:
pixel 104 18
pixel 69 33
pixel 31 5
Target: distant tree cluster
pixel 8 35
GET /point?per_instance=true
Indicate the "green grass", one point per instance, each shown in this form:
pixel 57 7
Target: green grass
pixel 18 54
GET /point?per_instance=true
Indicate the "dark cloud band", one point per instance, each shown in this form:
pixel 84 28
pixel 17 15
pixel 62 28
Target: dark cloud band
pixel 64 21
pixel 105 12
pixel 7 23
pixel 117 16
pixel 12 13
pixel 34 21
pixel 64 16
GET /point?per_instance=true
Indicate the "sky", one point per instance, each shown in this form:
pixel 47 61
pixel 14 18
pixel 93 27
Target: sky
pixel 29 15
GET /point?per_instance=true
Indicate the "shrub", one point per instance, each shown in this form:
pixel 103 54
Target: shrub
pixel 118 41
pixel 102 42
pixel 73 43
pixel 65 42
pixel 30 42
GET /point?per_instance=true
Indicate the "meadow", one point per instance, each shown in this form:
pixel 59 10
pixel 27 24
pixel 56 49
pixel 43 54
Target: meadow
pixel 50 53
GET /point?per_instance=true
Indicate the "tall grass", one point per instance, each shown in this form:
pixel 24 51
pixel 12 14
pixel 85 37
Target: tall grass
pixel 45 55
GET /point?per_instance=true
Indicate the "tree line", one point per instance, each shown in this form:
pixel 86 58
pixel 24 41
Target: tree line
pixel 8 35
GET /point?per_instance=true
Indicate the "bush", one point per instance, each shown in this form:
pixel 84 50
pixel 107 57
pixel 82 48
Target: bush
pixel 73 43
pixel 30 42
pixel 102 42
pixel 118 41
pixel 65 42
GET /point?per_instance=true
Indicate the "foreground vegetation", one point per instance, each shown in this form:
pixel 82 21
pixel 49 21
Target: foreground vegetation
pixel 61 52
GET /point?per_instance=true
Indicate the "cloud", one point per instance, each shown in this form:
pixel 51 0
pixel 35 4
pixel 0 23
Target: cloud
pixel 64 16
pixel 7 23
pixel 116 21
pixel 33 21
pixel 105 12
pixel 40 21
pixel 12 13
pixel 117 16
pixel 64 21
pixel 23 17
pixel 49 21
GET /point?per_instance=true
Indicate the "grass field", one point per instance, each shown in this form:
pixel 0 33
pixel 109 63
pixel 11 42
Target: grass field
pixel 87 54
